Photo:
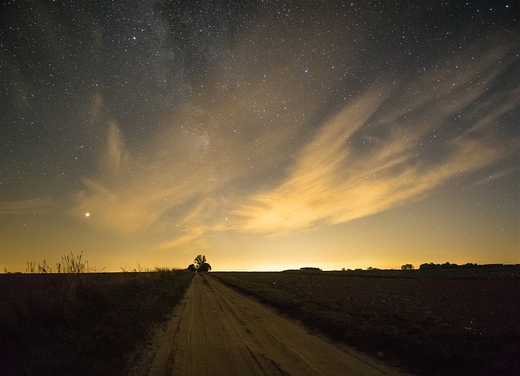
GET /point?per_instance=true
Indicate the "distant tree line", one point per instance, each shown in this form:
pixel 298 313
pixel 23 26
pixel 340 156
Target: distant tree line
pixel 448 265
pixel 432 265
pixel 308 269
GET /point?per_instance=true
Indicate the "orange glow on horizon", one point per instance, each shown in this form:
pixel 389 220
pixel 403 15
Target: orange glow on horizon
pixel 269 147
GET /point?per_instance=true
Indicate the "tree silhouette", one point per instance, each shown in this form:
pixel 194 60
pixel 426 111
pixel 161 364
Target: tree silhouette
pixel 200 264
pixel 204 268
pixel 199 261
pixel 192 268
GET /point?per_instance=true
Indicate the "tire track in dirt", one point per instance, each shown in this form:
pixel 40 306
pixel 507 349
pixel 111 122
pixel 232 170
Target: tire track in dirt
pixel 216 331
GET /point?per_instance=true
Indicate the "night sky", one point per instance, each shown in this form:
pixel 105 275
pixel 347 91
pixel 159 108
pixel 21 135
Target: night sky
pixel 266 135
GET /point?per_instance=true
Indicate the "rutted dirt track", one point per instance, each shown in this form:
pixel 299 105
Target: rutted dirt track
pixel 216 331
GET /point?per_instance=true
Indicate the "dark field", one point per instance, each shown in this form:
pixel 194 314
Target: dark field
pixel 455 322
pixel 81 324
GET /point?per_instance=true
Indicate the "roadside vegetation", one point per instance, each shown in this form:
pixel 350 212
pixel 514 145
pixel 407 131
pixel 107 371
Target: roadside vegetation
pixel 430 322
pixel 79 323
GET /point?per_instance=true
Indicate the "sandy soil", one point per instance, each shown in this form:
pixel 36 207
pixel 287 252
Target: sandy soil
pixel 216 331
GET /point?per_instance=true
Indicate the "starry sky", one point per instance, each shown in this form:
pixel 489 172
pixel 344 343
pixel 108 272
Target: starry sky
pixel 264 134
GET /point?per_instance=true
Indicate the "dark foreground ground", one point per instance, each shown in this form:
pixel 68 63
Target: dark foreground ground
pixel 430 322
pixel 433 322
pixel 81 324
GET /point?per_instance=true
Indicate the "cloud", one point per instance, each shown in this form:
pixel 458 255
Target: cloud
pixel 218 165
pixel 217 147
pixel 31 206
pixel 189 237
pixel 347 171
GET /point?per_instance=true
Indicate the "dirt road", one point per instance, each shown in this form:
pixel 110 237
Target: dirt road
pixel 216 331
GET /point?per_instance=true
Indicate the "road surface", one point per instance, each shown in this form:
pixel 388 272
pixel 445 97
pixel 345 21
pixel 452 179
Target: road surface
pixel 216 331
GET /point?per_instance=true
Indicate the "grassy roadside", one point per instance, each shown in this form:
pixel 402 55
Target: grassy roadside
pixel 428 326
pixel 81 324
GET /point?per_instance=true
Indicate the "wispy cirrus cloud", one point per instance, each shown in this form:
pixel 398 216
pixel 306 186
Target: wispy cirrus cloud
pixel 185 182
pixel 391 145
pixel 216 148
pixel 347 172
pixel 30 206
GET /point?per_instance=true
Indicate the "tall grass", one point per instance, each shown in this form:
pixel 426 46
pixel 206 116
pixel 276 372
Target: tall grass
pixel 80 323
pixel 73 264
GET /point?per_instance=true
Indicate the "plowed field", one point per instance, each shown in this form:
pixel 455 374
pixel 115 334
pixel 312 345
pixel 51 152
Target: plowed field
pixel 431 326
